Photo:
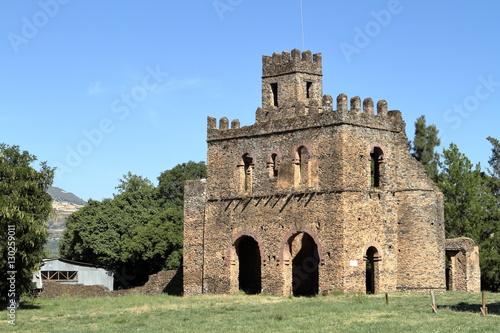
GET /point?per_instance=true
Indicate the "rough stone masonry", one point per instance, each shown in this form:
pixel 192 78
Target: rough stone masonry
pixel 310 199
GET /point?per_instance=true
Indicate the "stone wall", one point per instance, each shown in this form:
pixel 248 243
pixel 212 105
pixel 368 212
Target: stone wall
pixel 194 219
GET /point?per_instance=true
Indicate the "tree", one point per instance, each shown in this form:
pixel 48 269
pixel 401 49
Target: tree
pixel 494 163
pixel 471 210
pixel 25 207
pixel 490 247
pixel 425 141
pixel 171 182
pixel 469 205
pixel 132 183
pixel 132 233
pixel 138 232
pixel 490 262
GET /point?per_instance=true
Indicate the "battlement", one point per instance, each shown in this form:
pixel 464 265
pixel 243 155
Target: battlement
pixel 287 63
pixel 357 112
pixel 292 99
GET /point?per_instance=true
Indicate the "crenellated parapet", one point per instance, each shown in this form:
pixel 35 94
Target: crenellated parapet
pixel 292 98
pixel 358 112
pixel 292 80
pixel 223 124
pixel 286 62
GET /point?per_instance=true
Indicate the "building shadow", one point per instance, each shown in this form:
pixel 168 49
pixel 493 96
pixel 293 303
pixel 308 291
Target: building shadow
pixel 175 286
pixel 493 308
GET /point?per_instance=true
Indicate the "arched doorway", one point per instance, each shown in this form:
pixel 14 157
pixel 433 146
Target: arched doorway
pixel 305 264
pixel 249 271
pixel 371 262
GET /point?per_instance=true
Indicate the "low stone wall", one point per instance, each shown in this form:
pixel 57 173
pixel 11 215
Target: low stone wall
pixel 169 282
pixel 53 290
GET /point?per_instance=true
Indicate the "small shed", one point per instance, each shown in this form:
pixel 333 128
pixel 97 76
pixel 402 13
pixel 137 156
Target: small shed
pixel 73 272
pixel 462 268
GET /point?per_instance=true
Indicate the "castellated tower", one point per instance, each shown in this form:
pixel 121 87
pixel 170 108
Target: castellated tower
pixel 310 199
pixel 290 82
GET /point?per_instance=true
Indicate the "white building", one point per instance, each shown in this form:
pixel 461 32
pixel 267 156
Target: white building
pixel 73 272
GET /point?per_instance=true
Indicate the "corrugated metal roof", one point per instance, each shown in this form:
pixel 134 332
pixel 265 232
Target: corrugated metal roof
pixel 73 262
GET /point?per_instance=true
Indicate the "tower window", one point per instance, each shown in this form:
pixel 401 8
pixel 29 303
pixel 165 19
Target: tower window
pixel 302 168
pixel 248 160
pixel 304 165
pixel 274 165
pixel 273 162
pixel 308 89
pixel 377 157
pixel 274 89
pixel 245 166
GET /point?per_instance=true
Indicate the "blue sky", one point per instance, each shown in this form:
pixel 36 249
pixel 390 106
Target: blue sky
pixel 100 88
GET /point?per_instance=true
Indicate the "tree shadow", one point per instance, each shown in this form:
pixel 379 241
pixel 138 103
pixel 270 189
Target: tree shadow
pixel 24 305
pixel 493 308
pixel 29 306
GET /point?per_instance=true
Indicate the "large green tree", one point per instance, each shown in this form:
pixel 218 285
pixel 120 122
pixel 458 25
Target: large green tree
pixel 171 182
pixel 494 163
pixel 490 262
pixel 131 183
pixel 469 206
pixel 423 147
pixel 138 232
pixel 490 246
pixel 25 207
pixel 471 210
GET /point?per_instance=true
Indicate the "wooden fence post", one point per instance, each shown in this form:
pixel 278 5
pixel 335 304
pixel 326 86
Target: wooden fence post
pixel 433 306
pixel 484 309
pixel 386 298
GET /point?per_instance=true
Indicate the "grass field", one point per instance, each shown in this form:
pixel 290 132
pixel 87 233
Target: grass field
pixel 406 312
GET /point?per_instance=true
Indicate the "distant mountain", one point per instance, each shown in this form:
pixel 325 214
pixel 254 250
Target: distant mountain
pixel 61 195
pixel 64 203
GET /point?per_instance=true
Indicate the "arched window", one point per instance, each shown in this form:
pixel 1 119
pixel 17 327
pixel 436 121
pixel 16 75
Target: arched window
pixel 274 91
pixel 248 163
pixel 302 168
pixel 274 166
pixel 308 89
pixel 273 162
pixel 303 162
pixel 376 159
pixel 245 165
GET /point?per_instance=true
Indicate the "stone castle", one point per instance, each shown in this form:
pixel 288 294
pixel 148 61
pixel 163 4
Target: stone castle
pixel 310 199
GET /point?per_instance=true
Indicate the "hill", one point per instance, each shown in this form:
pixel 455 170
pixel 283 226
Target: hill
pixel 58 194
pixel 64 203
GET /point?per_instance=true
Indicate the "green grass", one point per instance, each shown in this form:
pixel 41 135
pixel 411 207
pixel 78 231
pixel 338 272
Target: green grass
pixel 407 312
